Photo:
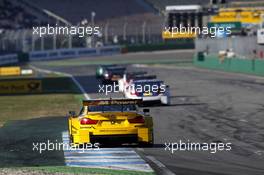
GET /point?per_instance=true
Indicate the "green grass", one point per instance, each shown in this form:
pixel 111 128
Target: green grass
pixel 21 107
pixel 59 95
pixel 76 170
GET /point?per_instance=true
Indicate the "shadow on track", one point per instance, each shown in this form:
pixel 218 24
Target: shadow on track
pixel 17 138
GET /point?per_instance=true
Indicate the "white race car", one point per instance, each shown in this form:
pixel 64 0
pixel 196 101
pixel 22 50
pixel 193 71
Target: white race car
pixel 149 90
pixel 128 78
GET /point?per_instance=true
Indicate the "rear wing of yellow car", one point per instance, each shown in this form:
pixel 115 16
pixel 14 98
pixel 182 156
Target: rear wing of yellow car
pixel 99 102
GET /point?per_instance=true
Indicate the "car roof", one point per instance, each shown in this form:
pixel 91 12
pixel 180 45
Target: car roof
pixel 148 81
pixel 144 77
pixel 115 67
pixel 109 65
pixel 136 73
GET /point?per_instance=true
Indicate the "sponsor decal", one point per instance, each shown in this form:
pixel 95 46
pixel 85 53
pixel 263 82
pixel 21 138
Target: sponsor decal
pixel 20 86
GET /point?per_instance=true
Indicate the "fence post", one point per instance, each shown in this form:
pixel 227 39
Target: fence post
pixel 32 42
pixel 124 31
pixel 54 41
pixel 144 32
pixel 24 43
pixel 69 41
pixel 106 32
pixel 93 24
pixel 42 42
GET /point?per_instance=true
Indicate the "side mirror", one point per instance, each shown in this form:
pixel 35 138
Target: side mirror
pixel 72 113
pixel 145 111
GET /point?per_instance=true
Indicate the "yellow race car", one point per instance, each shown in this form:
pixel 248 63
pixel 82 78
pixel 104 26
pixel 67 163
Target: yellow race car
pixel 113 120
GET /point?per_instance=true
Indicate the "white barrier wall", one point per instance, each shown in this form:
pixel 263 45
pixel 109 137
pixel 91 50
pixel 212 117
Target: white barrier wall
pixel 213 46
pixel 8 59
pixel 72 53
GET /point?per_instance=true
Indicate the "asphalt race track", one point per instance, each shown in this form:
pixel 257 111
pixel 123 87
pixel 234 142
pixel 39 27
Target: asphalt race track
pixel 207 106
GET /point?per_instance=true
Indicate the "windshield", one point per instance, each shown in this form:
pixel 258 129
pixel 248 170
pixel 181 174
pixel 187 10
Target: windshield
pixel 116 108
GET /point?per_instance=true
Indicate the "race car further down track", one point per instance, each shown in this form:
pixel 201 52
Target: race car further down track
pixel 99 73
pixel 148 90
pixel 111 73
pixel 132 76
pixel 114 120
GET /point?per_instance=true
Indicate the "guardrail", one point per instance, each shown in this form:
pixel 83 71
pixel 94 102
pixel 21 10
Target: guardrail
pixel 8 59
pixel 72 53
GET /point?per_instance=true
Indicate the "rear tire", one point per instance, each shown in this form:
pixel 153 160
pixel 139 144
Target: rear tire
pixel 147 144
pixel 71 139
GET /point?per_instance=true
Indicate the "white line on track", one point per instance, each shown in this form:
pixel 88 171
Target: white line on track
pixel 161 166
pixel 113 158
pixel 166 171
